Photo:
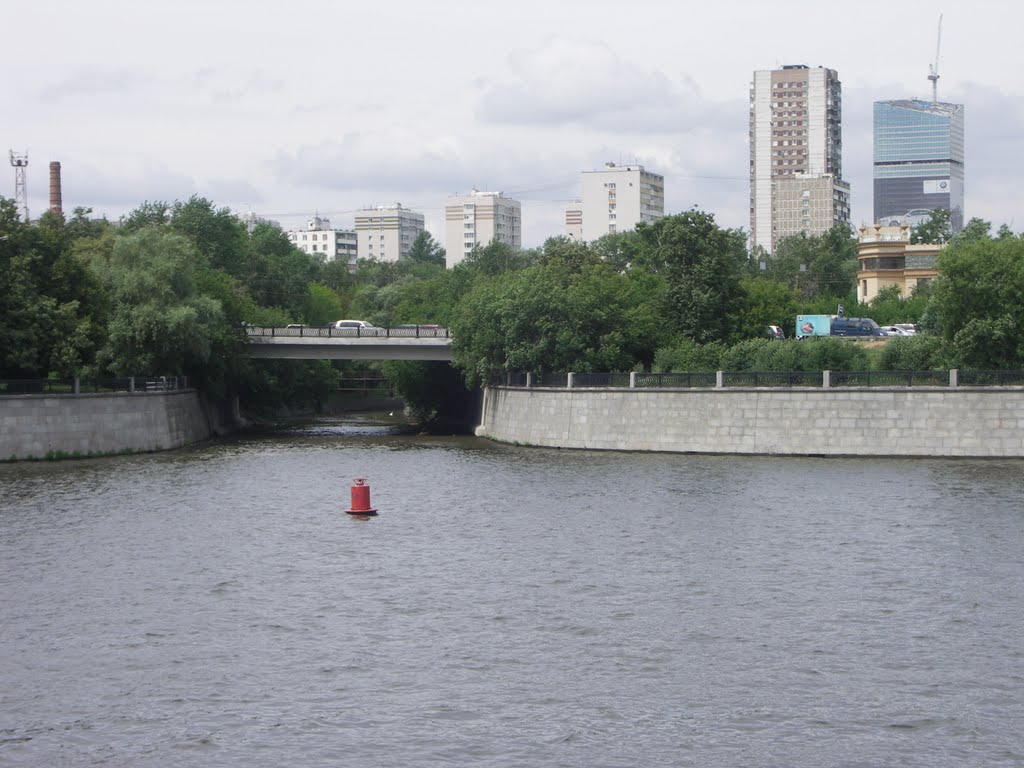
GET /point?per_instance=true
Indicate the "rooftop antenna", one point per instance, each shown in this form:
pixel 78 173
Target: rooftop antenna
pixel 933 69
pixel 20 163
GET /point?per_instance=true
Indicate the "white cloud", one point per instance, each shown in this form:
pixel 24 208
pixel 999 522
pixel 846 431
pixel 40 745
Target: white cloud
pixel 336 106
pixel 585 83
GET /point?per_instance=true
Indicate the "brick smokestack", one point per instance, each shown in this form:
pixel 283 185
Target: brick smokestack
pixel 55 197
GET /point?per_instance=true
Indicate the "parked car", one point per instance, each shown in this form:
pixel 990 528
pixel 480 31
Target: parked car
pixel 855 326
pixel 900 329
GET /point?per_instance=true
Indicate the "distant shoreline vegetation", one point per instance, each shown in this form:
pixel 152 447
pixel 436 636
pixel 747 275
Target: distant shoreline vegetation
pixel 170 288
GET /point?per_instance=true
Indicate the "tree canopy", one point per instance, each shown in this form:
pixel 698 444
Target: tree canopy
pixel 935 229
pixel 977 301
pixel 168 290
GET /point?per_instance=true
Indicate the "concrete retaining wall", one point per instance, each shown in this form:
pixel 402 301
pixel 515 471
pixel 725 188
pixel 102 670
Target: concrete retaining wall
pixel 915 421
pixel 33 426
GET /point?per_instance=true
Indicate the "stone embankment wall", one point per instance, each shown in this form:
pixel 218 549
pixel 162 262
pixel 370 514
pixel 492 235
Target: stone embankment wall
pixel 34 426
pixel 986 422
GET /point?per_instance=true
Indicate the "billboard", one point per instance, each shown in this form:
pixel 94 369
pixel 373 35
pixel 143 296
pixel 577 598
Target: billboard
pixel 936 186
pixel 813 325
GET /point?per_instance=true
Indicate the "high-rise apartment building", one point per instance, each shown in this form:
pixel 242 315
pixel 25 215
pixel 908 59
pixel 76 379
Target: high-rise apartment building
pixel 615 199
pixel 795 137
pixel 386 233
pixel 478 219
pixel 919 160
pixel 809 203
pixel 320 240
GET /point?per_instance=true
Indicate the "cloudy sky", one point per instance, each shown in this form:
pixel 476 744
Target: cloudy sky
pixel 290 108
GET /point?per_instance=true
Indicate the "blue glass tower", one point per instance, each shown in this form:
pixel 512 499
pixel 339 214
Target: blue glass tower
pixel 919 160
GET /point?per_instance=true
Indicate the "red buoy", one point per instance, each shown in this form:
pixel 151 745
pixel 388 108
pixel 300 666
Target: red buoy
pixel 361 498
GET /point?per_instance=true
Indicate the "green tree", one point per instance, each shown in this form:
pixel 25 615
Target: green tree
pixel 548 317
pixel 81 226
pixel 149 214
pixel 816 266
pixel 495 258
pixel 975 229
pixel 283 280
pixel 766 302
pixel 218 234
pixel 426 250
pixel 977 302
pixel 322 305
pixel 913 353
pixel 936 229
pixel 618 249
pixel 573 254
pixel 686 355
pixel 51 310
pixel 701 265
pixel 159 321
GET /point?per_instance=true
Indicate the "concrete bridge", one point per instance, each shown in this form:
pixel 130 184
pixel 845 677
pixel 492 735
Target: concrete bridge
pixel 407 342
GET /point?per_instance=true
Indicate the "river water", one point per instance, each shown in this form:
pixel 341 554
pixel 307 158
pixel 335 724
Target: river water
pixel 508 607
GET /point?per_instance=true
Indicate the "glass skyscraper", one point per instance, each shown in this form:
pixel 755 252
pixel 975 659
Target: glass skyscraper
pixel 919 161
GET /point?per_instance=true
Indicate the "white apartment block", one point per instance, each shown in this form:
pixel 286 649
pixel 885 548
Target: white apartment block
pixel 320 240
pixel 574 221
pixel 387 232
pixel 795 128
pixel 477 219
pixel 615 199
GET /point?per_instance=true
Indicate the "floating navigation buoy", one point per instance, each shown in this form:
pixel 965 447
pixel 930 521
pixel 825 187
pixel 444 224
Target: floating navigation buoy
pixel 360 498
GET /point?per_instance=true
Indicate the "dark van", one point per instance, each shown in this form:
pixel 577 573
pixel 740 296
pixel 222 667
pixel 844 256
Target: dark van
pixel 855 326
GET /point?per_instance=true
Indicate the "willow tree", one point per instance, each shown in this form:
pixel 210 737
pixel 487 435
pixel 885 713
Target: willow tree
pixel 159 321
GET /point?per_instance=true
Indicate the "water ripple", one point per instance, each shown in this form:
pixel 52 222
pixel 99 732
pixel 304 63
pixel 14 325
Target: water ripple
pixel 508 607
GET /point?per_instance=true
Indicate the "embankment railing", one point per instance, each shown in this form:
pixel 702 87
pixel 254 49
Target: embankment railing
pixel 93 386
pixel 758 379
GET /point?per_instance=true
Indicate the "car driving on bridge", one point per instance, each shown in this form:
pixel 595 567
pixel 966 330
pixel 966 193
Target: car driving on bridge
pixel 357 327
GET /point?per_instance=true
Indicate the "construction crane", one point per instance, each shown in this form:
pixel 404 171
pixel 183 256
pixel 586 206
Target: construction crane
pixel 933 69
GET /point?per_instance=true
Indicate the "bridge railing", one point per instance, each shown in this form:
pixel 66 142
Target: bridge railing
pixel 330 332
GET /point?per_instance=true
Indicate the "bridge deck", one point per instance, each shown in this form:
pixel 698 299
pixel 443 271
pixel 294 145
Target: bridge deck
pixel 327 343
